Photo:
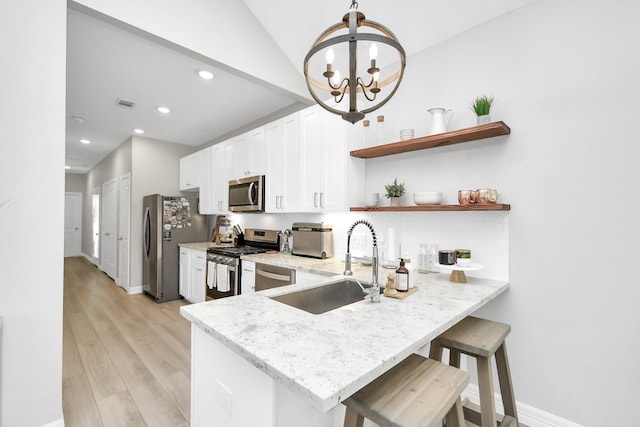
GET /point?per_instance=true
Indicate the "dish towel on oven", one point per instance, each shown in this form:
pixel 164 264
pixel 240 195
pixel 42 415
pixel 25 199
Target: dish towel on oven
pixel 222 278
pixel 211 274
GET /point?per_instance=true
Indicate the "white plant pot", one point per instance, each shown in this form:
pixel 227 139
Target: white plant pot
pixel 483 120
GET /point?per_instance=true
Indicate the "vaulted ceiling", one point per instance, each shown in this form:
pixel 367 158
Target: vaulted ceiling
pixel 108 63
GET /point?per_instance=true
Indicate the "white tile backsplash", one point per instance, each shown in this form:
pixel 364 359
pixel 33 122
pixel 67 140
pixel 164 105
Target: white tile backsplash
pixel 485 233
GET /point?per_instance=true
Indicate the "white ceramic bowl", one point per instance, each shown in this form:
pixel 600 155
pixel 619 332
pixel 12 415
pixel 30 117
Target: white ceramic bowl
pixel 406 134
pixel 427 198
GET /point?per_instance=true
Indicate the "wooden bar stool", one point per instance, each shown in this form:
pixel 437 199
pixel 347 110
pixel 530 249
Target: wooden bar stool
pixel 481 339
pixel 416 392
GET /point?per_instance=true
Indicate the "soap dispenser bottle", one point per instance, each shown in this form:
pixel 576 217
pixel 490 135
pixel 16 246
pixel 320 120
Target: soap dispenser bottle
pixel 402 277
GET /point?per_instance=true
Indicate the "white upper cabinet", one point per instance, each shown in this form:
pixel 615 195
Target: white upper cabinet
pixel 205 205
pixel 304 157
pixel 283 170
pixel 330 179
pixel 249 154
pixel 221 161
pixel 195 175
pixel 190 172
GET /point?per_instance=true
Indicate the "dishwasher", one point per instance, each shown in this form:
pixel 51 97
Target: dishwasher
pixel 271 276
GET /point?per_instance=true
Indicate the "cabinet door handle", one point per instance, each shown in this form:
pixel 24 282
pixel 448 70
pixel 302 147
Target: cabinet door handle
pixel 322 200
pixel 315 200
pixel 277 202
pixel 281 202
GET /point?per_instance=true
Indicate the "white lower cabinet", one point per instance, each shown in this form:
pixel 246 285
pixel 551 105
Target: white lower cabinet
pixel 193 275
pixel 184 272
pixel 248 277
pixel 227 390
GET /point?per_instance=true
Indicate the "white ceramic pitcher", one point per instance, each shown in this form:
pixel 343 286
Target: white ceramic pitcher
pixel 439 119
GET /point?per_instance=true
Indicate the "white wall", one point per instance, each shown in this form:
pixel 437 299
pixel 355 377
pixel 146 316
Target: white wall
pixel 32 77
pixel 566 83
pixel 569 171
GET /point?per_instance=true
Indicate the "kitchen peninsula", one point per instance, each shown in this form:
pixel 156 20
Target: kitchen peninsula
pixel 256 361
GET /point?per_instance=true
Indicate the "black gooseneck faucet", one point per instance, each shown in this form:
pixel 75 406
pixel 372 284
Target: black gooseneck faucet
pixel 374 292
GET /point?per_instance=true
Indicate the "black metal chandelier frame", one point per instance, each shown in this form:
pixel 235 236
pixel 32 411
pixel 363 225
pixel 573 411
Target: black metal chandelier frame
pixel 354 84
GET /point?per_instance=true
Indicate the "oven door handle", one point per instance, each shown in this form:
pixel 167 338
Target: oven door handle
pixel 272 276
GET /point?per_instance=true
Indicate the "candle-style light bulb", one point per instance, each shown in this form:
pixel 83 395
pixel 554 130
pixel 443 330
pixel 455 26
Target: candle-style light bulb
pixel 373 51
pixel 376 75
pixel 336 78
pixel 330 56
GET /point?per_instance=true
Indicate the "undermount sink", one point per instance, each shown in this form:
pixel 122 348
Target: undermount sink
pixel 325 298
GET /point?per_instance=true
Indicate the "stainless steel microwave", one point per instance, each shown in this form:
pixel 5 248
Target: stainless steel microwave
pixel 247 194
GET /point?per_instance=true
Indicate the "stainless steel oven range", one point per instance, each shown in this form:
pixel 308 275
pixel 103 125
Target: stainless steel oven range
pixel 225 280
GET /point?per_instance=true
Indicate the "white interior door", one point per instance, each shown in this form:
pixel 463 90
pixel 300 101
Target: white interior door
pixel 124 219
pixel 95 224
pixel 108 258
pixel 72 224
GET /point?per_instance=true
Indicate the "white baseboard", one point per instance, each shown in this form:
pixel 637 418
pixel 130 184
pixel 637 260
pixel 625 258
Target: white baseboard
pixel 91 259
pixel 56 423
pixel 528 415
pixel 134 290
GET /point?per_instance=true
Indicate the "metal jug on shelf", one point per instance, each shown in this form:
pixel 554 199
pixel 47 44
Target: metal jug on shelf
pixel 439 119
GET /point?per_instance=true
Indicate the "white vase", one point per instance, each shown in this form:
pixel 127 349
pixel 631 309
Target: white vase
pixel 483 120
pixel 395 201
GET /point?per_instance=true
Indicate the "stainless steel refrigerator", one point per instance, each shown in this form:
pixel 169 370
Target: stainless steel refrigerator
pixel 168 221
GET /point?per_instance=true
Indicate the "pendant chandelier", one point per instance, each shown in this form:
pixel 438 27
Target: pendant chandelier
pixel 369 86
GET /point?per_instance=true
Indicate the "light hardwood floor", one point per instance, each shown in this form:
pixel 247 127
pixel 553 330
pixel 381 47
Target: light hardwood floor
pixel 126 358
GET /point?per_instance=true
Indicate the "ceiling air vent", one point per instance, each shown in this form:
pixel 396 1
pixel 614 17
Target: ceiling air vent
pixel 125 104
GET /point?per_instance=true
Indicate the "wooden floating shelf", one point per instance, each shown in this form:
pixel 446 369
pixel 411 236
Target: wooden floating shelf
pixel 431 141
pixel 435 208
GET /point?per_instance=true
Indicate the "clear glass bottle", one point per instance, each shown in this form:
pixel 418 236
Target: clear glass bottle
pixel 368 138
pixel 427 257
pixel 380 130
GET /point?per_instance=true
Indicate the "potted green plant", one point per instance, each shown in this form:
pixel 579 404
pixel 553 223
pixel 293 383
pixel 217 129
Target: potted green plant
pixel 395 190
pixel 481 106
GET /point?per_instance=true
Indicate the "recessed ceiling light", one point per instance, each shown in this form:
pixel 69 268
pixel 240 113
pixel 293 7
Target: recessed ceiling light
pixel 206 75
pixel 77 119
pixel 85 141
pixel 164 110
pixel 67 167
pixel 139 131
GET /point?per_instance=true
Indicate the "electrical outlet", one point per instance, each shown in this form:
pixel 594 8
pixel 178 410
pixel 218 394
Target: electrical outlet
pixel 224 397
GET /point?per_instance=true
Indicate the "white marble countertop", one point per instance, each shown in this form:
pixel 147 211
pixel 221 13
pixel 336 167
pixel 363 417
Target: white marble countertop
pixel 200 246
pixel 327 357
pixel 203 246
